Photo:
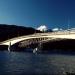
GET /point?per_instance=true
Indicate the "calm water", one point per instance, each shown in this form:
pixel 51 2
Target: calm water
pixel 23 63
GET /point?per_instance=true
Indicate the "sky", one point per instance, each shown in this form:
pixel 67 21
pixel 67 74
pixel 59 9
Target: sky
pixel 33 13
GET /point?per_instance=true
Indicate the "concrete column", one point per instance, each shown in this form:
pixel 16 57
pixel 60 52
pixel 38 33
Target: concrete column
pixel 9 46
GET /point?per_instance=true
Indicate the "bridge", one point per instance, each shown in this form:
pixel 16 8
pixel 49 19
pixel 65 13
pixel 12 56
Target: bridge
pixel 39 37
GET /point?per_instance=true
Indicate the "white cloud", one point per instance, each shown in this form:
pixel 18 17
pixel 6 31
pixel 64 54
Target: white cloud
pixel 57 29
pixel 42 28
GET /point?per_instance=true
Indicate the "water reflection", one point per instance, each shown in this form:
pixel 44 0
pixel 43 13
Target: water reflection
pixel 21 63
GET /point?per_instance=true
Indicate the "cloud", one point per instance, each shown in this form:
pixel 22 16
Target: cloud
pixel 42 28
pixel 57 29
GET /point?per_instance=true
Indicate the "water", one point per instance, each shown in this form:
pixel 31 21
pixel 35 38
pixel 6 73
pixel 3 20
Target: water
pixel 23 63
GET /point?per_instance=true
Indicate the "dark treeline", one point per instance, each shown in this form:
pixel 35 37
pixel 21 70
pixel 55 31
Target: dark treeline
pixel 64 45
pixel 10 31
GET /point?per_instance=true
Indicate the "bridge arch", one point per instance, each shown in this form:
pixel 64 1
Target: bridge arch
pixel 40 36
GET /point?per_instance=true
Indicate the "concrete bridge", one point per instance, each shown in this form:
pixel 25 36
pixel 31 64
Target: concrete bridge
pixel 39 37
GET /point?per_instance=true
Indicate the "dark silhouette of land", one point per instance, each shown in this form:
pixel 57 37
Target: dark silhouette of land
pixel 11 31
pixel 61 46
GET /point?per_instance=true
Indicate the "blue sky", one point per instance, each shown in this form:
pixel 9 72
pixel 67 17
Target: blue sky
pixel 33 13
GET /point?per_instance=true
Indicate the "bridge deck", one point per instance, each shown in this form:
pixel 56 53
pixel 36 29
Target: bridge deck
pixel 62 35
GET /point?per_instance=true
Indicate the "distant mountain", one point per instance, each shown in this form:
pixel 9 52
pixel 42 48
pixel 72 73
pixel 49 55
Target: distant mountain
pixel 11 31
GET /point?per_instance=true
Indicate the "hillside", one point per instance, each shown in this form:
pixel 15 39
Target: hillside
pixel 10 31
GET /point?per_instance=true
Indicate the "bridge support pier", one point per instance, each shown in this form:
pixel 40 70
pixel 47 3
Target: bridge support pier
pixel 9 46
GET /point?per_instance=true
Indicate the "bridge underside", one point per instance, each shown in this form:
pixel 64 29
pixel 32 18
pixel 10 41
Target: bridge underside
pixel 43 46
